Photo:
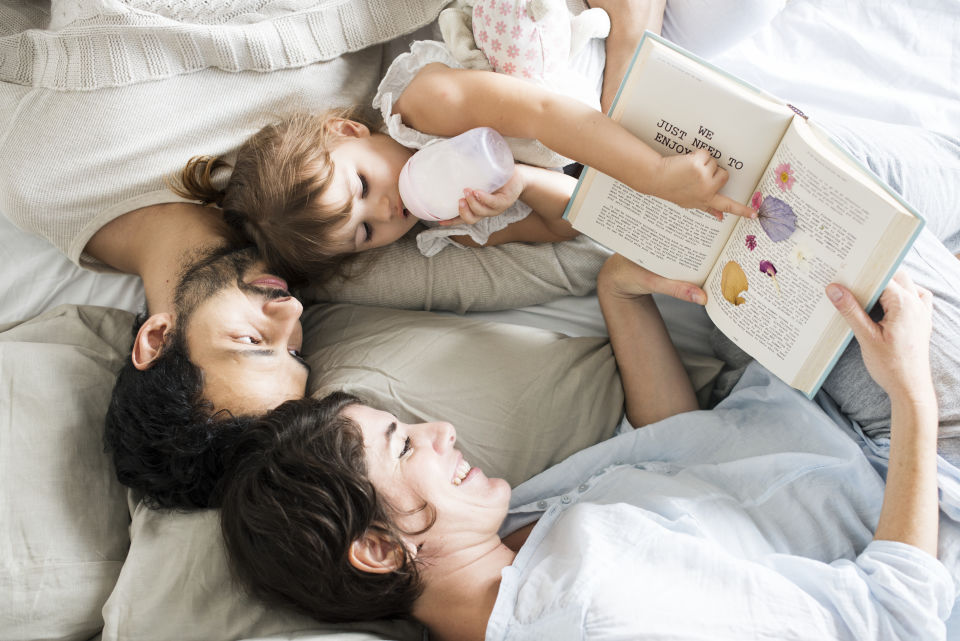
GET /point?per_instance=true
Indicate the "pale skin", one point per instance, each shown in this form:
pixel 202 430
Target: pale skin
pixel 464 555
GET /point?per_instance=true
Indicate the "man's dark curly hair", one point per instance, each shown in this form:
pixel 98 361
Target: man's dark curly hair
pixel 165 441
pixel 295 497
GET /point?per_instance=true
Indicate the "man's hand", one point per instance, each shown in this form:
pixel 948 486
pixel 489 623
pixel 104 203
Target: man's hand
pixel 623 278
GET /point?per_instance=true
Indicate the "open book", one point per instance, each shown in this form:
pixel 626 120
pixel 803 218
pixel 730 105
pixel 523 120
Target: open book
pixel 823 217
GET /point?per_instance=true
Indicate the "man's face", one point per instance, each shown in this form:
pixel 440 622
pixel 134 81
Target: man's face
pixel 242 329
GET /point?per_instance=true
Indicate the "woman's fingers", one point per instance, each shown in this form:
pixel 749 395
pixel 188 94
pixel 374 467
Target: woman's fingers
pixel 863 326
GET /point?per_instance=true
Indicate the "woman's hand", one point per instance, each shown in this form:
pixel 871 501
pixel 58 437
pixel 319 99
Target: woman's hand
pixel 623 278
pixel 479 204
pixel 655 384
pixel 896 350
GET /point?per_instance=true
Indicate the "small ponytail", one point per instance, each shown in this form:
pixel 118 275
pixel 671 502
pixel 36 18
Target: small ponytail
pixel 195 183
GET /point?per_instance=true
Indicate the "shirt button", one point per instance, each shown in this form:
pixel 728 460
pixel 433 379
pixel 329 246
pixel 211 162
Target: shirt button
pixel 565 499
pixel 542 505
pixel 583 487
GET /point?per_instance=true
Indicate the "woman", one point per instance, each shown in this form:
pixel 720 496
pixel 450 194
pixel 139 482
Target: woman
pixel 345 513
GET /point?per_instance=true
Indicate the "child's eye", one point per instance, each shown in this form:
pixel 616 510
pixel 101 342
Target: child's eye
pixel 367 232
pixel 364 188
pixel 406 447
pixel 250 340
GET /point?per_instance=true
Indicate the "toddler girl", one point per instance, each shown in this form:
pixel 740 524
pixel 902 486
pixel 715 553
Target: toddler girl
pixel 314 189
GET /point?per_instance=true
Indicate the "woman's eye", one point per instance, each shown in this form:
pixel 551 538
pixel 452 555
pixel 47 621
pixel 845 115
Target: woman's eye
pixel 367 232
pixel 364 187
pixel 250 340
pixel 406 447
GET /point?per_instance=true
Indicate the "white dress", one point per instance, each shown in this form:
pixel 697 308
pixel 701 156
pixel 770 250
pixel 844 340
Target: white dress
pixel 399 75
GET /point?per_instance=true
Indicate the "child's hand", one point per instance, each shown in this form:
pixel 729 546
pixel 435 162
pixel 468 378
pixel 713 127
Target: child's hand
pixel 693 180
pixel 478 204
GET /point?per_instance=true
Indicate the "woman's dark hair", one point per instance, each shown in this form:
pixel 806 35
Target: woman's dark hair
pixel 274 194
pixel 164 439
pixel 295 497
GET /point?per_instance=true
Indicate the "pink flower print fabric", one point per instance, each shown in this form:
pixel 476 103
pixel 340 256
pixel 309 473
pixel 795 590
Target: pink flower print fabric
pixel 517 45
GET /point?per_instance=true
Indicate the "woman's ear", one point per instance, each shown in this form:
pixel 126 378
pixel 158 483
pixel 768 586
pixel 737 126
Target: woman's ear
pixel 350 128
pixel 150 340
pixel 375 553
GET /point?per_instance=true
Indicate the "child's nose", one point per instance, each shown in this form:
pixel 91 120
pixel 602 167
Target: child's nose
pixel 383 211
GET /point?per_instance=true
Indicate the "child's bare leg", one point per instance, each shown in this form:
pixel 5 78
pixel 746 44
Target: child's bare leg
pixel 628 20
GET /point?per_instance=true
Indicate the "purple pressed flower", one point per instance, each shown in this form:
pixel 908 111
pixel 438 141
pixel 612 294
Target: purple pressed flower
pixel 767 268
pixel 751 242
pixel 777 219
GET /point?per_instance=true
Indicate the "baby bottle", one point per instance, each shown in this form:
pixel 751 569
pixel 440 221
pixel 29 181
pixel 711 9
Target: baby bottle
pixel 433 179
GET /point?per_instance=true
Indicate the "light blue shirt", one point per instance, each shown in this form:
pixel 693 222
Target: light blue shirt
pixel 753 520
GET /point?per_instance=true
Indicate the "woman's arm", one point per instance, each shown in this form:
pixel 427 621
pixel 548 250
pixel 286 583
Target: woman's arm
pixel 896 353
pixel 445 102
pixel 655 384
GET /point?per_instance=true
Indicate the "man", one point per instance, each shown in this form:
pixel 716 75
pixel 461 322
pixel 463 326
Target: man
pixel 219 344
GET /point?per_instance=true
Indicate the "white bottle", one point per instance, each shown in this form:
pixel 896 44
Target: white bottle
pixel 433 179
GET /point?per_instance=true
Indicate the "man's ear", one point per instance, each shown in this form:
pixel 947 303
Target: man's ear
pixel 349 128
pixel 150 340
pixel 375 554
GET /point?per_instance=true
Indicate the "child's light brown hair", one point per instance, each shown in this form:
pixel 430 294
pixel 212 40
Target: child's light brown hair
pixel 274 194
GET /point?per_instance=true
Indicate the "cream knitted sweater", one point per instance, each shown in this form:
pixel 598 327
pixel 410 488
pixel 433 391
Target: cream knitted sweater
pixel 103 98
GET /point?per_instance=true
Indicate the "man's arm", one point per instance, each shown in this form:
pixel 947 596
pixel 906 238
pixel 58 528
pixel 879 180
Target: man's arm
pixel 154 243
pixel 655 385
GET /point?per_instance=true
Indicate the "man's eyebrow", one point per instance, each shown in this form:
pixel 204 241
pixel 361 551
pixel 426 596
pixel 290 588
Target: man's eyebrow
pixel 269 352
pixel 388 433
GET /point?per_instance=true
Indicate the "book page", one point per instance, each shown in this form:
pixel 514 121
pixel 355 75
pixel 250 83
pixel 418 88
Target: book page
pixel 677 104
pixel 828 222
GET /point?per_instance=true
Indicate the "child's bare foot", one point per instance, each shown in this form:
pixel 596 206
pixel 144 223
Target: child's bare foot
pixel 628 20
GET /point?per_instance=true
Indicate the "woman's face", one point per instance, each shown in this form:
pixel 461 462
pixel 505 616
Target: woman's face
pixel 415 464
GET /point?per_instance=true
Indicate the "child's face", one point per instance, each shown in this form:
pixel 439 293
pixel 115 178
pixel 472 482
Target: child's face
pixel 367 170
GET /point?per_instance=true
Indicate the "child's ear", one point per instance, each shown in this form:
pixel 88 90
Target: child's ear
pixel 375 553
pixel 350 128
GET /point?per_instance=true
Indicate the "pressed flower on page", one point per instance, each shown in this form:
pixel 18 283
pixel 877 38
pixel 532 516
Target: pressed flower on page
pixel 784 176
pixel 777 219
pixel 733 282
pixel 767 268
pixel 751 242
pixel 756 201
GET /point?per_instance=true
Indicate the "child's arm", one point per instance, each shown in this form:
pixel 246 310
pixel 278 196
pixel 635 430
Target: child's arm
pixel 445 102
pixel 546 192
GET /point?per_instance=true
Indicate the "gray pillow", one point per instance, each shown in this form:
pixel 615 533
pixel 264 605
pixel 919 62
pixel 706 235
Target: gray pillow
pixel 462 280
pixel 521 398
pixel 64 515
